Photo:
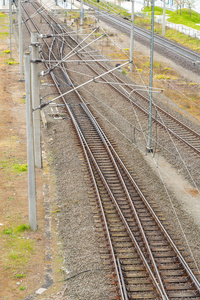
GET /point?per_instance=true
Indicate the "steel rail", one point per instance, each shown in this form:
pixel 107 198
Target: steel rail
pixel 122 279
pixel 198 289
pixel 159 290
pixel 88 113
pixel 44 40
pixel 162 42
pixel 96 189
pixel 119 279
pixel 181 259
pixel 146 112
pixel 142 109
pixel 139 94
pixel 163 294
pixel 82 141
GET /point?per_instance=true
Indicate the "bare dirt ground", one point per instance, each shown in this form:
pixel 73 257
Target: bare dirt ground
pixel 22 260
pixel 75 237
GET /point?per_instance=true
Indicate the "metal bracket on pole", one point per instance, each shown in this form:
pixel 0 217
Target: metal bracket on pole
pixel 30 148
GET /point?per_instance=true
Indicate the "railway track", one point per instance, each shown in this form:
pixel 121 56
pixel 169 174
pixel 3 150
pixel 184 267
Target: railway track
pixel 147 263
pixel 162 43
pixel 171 124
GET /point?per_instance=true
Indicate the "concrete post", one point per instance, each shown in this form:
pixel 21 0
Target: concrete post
pixel 35 94
pixel 20 40
pixel 10 23
pixel 30 148
pixel 163 24
pixel 132 33
pixel 149 148
pixel 81 17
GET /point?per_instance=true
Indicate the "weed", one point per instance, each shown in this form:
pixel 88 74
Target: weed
pixel 22 100
pixel 20 275
pixel 22 228
pixel 22 288
pixel 3 34
pixel 14 255
pixel 6 51
pixel 21 167
pixel 2 15
pixel 124 72
pixel 7 231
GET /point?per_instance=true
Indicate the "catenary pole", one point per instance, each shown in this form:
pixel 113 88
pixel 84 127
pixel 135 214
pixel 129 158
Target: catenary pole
pixel 81 16
pixel 10 24
pixel 163 24
pixel 20 40
pixel 132 33
pixel 30 147
pixel 35 95
pixel 149 149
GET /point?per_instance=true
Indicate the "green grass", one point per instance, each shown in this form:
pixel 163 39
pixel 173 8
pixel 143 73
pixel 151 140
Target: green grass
pixel 2 15
pixel 3 34
pixel 176 18
pixel 12 166
pixel 185 18
pixel 20 167
pixel 157 10
pixel 18 250
pixel 10 62
pixel 20 276
pixel 22 228
pixel 7 231
pixel 6 51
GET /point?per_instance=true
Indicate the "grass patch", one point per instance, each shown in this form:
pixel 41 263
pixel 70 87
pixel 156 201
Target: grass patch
pixel 175 17
pixel 19 276
pixel 17 250
pixel 20 167
pixel 17 254
pixel 10 62
pixel 22 100
pixel 2 15
pixel 12 166
pixel 185 18
pixel 3 34
pixel 6 51
pixel 157 10
pixel 7 231
pixel 22 228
